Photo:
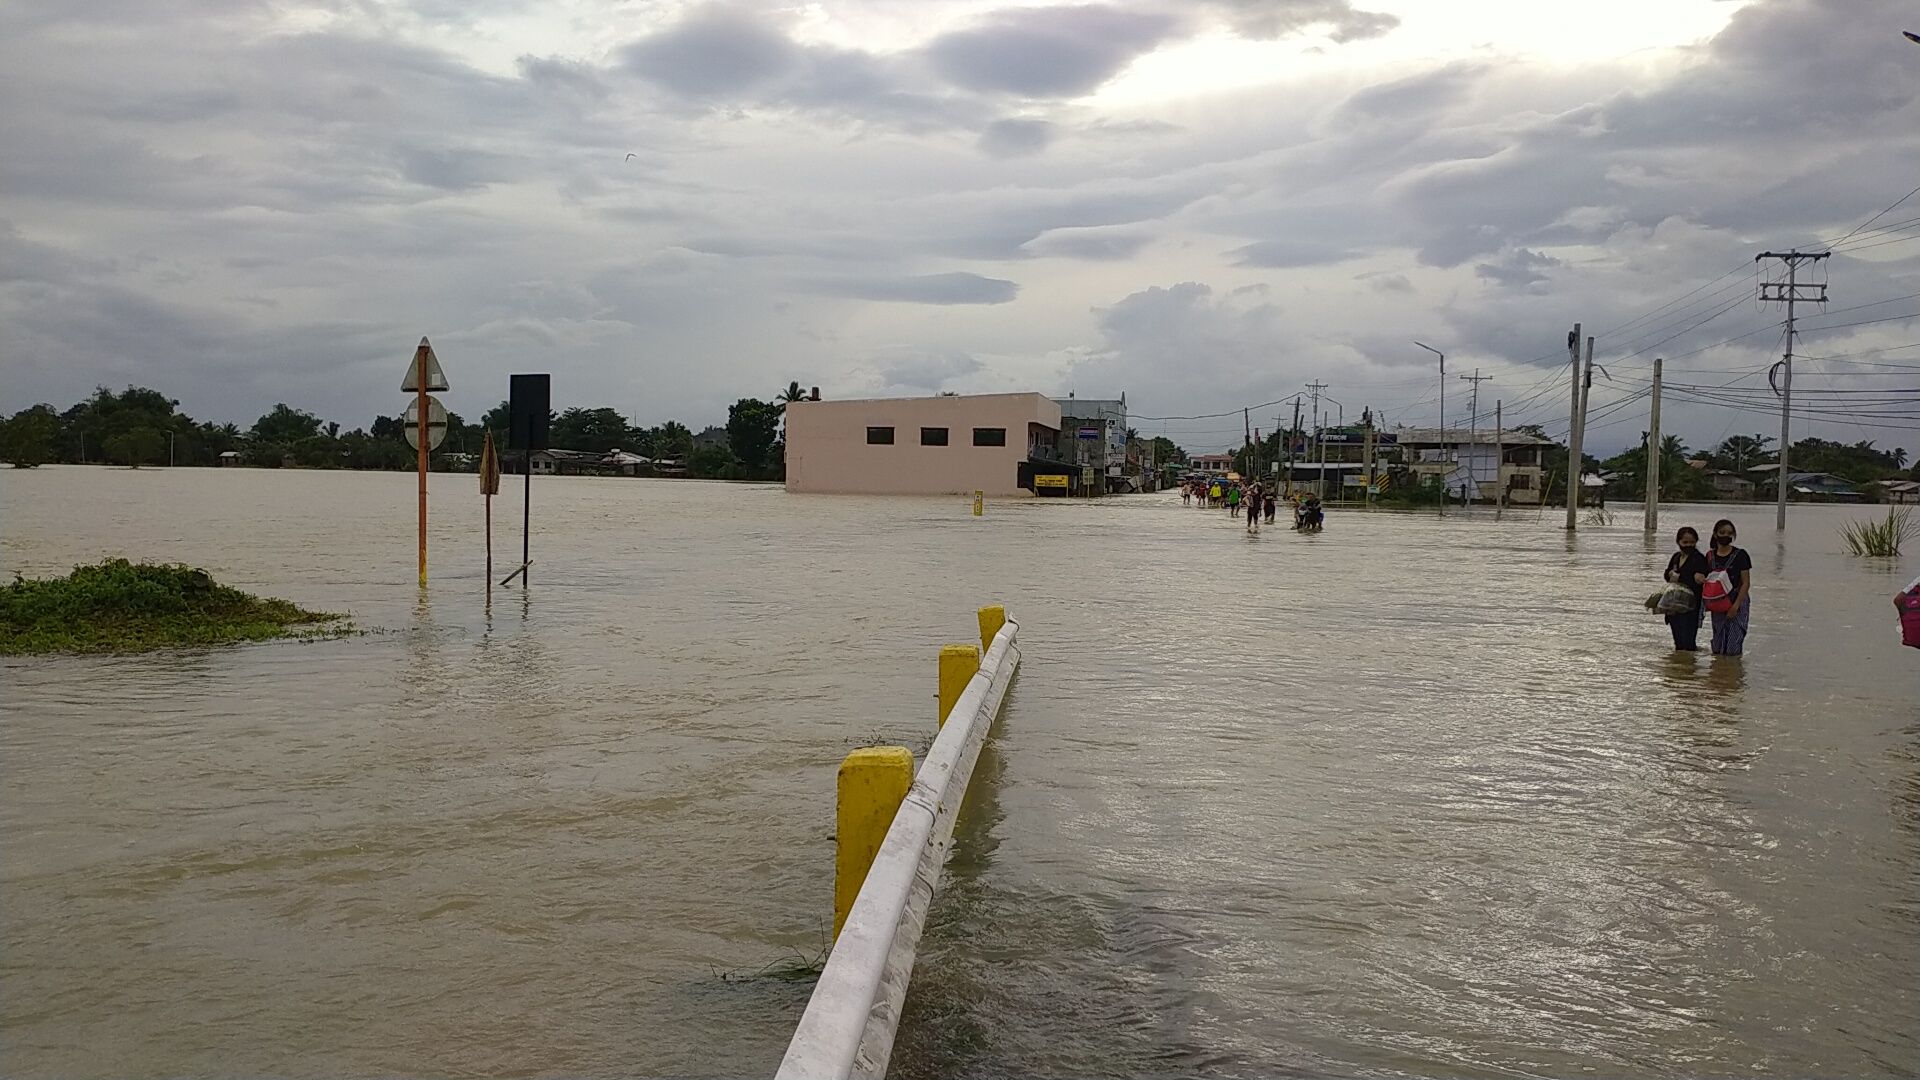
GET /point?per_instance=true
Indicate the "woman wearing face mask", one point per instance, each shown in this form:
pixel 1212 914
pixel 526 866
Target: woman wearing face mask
pixel 1730 626
pixel 1687 567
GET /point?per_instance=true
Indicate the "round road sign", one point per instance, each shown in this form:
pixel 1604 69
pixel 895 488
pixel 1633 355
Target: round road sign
pixel 436 423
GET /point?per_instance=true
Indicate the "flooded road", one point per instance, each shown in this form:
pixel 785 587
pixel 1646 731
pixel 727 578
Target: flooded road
pixel 1411 797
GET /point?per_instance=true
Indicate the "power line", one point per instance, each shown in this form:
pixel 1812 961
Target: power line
pixel 1878 216
pixel 1863 322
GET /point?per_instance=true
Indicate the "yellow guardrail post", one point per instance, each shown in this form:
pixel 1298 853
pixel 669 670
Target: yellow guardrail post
pixel 958 665
pixel 992 618
pixel 873 782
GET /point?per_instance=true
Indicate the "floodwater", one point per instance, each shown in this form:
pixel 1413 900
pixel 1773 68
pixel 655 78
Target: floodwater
pixel 1411 797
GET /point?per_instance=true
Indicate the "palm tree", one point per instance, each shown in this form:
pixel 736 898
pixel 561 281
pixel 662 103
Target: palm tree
pixel 1743 450
pixel 784 398
pixel 674 440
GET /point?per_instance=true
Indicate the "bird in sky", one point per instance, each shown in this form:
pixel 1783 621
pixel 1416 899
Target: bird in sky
pixel 1911 36
pixel 629 157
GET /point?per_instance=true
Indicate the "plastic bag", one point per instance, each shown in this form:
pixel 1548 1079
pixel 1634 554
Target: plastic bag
pixel 1674 600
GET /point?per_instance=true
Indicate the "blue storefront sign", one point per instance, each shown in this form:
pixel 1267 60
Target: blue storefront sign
pixel 1089 432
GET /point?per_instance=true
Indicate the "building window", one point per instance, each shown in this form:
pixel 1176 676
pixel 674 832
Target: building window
pixel 1521 482
pixel 879 436
pixel 933 436
pixel 989 436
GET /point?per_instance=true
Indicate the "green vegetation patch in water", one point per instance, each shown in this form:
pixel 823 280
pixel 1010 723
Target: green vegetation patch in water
pixel 120 606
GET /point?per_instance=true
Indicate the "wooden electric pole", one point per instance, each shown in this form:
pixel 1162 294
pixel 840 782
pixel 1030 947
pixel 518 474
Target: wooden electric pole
pixel 1573 430
pixel 1654 455
pixel 1499 460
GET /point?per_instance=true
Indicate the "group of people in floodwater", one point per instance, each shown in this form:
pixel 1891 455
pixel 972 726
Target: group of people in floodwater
pixel 1731 606
pixel 1721 580
pixel 1260 502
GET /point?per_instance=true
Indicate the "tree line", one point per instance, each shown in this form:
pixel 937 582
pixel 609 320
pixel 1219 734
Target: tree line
pixel 1861 463
pixel 140 426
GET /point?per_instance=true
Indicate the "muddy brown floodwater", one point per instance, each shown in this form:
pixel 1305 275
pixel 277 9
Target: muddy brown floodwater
pixel 1411 797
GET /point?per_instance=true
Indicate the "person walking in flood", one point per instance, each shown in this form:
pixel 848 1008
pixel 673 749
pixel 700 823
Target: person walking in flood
pixel 1253 510
pixel 1687 567
pixel 1213 493
pixel 1233 501
pixel 1270 504
pixel 1907 603
pixel 1729 623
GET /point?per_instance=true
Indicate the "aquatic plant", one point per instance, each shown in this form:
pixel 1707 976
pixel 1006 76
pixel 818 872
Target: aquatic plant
pixel 121 606
pixel 1881 538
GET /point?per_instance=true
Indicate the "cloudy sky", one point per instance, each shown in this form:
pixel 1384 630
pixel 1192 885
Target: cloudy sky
pixel 1205 204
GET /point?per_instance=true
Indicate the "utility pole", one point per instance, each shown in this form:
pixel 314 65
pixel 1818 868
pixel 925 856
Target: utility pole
pixel 1292 434
pixel 1366 495
pixel 1789 292
pixel 1653 454
pixel 1499 461
pixel 1319 478
pixel 1473 438
pixel 1573 430
pixel 1253 452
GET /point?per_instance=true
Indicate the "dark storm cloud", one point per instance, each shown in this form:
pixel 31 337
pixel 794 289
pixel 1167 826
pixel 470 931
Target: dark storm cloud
pixel 1016 138
pixel 958 287
pixel 720 55
pixel 1517 269
pixel 714 51
pixel 1049 51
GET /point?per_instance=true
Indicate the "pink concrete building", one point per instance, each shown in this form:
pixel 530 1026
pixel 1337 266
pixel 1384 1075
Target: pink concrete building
pixel 919 446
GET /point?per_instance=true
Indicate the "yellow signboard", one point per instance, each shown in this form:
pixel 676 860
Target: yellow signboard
pixel 1049 480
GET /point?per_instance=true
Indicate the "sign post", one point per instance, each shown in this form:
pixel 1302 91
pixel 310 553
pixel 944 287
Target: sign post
pixel 979 502
pixel 529 412
pixel 423 375
pixel 489 487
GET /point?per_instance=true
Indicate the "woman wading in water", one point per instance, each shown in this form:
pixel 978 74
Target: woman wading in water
pixel 1730 626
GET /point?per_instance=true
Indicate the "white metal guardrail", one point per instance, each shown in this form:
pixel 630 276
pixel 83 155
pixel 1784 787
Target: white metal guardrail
pixel 848 1027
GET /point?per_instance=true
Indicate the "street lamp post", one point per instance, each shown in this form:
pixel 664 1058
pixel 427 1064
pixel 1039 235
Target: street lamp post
pixel 1338 490
pixel 1445 474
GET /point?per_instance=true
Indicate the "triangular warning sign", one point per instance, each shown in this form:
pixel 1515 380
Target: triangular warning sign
pixel 436 379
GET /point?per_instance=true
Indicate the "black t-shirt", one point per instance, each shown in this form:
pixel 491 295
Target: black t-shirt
pixel 1685 564
pixel 1734 564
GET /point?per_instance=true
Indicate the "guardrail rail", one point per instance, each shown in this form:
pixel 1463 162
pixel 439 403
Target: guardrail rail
pixel 848 1027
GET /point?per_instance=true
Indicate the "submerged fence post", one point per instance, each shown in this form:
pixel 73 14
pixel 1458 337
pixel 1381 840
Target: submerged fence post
pixel 958 665
pixel 992 618
pixel 873 782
